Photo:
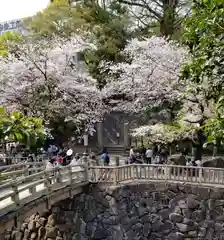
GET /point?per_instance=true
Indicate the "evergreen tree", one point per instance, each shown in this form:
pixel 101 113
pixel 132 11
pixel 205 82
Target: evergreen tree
pixel 106 25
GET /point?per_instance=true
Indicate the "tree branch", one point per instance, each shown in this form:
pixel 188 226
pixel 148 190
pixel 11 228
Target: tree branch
pixel 156 14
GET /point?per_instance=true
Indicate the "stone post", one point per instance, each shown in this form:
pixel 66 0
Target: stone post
pixel 15 196
pixel 115 176
pixel 117 160
pixel 84 158
pixel 126 135
pixel 85 163
pixel 70 175
pixel 100 135
pixel 215 150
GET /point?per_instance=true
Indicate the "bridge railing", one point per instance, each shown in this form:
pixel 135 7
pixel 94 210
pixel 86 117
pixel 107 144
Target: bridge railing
pixel 21 165
pixel 170 173
pixel 18 170
pixel 17 192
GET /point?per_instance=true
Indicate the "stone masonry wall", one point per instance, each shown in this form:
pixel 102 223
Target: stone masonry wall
pixel 135 212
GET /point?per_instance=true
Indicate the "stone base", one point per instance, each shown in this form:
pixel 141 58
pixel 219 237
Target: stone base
pixel 143 211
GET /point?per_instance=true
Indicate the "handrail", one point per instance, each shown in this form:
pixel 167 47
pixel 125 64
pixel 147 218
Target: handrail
pixel 18 165
pixel 154 165
pixel 156 172
pixel 18 191
pixel 20 171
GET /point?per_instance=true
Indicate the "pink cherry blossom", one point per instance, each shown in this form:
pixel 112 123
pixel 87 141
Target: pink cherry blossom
pixel 150 78
pixel 47 79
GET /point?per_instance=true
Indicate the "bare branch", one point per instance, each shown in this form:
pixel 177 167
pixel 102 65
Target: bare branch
pixel 157 15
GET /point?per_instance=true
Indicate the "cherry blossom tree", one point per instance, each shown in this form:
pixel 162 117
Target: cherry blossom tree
pixel 47 79
pixel 165 133
pixel 150 77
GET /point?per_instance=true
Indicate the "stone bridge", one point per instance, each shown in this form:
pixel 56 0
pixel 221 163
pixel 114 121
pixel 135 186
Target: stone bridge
pixel 119 202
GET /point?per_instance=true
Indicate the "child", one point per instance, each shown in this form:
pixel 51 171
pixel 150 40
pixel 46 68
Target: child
pixel 59 160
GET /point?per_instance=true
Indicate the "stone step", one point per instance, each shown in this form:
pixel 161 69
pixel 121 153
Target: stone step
pixel 115 149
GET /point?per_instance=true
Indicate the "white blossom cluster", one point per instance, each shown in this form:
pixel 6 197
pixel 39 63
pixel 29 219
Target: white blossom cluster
pixel 149 78
pixel 165 133
pixel 47 79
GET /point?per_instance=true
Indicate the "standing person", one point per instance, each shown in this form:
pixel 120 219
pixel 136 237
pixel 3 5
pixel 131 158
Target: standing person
pixel 50 164
pixel 163 155
pixel 177 148
pixel 118 138
pixel 69 156
pixel 131 152
pixel 64 156
pixel 143 152
pixel 155 149
pixel 148 155
pixel 93 160
pixel 76 160
pixel 92 163
pixel 185 152
pixel 54 150
pixel 13 151
pixel 106 158
pixel 30 158
pixel 59 160
pixel 49 151
pixel 154 153
pixel 198 163
pixel 50 167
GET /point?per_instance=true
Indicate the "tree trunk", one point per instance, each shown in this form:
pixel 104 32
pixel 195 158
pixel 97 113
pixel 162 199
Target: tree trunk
pixel 197 144
pixel 142 141
pixel 168 19
pixel 170 149
pixel 215 150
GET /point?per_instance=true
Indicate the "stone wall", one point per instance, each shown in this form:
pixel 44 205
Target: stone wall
pixel 135 212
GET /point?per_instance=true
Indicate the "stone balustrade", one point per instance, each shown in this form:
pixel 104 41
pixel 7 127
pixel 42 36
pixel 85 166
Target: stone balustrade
pixel 164 173
pixel 15 171
pixel 18 191
pixel 23 190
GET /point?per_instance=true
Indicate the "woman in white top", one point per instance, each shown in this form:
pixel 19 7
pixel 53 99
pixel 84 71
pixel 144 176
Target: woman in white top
pixel 50 165
pixel 76 168
pixel 76 160
pixel 131 153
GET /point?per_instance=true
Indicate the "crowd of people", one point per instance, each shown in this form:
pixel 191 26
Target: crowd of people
pixel 154 154
pixel 151 155
pixel 60 158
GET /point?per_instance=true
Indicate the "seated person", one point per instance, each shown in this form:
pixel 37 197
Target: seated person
pixel 132 159
pixel 139 158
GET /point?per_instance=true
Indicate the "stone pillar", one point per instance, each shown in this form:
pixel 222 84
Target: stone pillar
pixel 85 163
pixel 215 150
pixel 117 161
pixel 126 135
pixel 100 143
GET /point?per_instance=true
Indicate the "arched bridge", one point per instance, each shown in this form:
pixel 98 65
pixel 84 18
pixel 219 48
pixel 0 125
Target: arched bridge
pixel 27 191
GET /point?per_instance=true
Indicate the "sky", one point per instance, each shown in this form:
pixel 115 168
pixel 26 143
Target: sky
pixel 17 9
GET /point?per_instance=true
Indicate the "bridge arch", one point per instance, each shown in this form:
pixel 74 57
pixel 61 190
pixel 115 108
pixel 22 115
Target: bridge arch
pixel 175 197
pixel 134 211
